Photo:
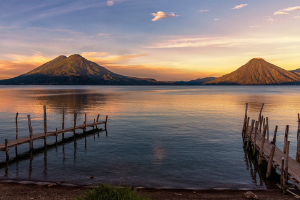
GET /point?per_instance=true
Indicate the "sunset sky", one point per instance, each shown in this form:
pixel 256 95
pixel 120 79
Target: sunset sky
pixel 161 39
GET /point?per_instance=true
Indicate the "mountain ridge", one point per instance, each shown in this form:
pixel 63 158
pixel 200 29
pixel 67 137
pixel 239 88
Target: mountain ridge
pixel 257 71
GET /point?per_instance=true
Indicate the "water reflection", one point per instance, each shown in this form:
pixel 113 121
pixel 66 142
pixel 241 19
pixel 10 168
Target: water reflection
pixel 29 155
pixel 158 152
pixel 258 173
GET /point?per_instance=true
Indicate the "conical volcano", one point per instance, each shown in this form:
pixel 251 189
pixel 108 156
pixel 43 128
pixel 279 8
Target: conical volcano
pixel 257 72
pixel 74 69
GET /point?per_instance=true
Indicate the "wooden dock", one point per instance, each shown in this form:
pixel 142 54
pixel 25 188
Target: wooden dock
pixel 256 136
pixel 19 141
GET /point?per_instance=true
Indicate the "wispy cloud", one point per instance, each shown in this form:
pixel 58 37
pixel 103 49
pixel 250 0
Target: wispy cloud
pixel 271 20
pixel 297 17
pixel 182 42
pixel 254 26
pixel 239 6
pixel 162 15
pixel 113 2
pixel 286 10
pixel 104 58
pixel 281 13
pixel 217 19
pixel 204 10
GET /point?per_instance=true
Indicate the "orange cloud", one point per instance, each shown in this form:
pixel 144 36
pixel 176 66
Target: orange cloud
pixel 102 58
pixel 162 15
pixel 17 64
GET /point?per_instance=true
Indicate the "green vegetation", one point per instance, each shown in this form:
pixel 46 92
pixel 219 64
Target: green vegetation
pixel 109 192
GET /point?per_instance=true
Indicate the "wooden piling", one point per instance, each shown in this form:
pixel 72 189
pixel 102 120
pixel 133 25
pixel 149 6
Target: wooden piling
pixel 298 150
pixel 106 122
pixel 259 116
pixel 30 132
pixel 282 181
pixel 250 134
pixel 285 138
pixel 261 119
pixel 274 138
pixel 255 133
pixel 6 149
pixel 267 122
pixel 75 119
pixel 245 119
pixel 94 124
pixel 261 150
pixel 56 134
pixel 45 126
pixel 17 130
pixel 63 122
pixel 97 120
pixel 84 121
pixel 286 159
pixel 270 163
pixel 246 130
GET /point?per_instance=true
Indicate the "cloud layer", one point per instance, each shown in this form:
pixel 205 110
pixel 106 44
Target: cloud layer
pixel 162 15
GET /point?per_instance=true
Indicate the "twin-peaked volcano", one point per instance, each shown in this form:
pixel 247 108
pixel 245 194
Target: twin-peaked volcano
pixel 74 70
pixel 257 72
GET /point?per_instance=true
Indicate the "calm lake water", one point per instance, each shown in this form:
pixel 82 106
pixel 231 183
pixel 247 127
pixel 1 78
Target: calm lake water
pixel 157 136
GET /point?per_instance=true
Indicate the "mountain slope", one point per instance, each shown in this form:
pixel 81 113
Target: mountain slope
pixel 257 72
pixel 75 70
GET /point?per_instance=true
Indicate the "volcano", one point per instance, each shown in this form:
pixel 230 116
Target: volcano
pixel 257 72
pixel 75 70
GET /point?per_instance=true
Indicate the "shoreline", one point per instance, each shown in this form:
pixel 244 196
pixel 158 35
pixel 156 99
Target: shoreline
pixel 15 190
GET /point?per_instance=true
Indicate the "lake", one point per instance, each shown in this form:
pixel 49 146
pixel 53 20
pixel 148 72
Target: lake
pixel 185 137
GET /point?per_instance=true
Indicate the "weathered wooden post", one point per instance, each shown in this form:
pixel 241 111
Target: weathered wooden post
pixel 261 150
pixel 30 132
pixel 285 138
pixel 63 122
pixel 286 159
pixel 282 181
pixel 250 134
pixel 267 122
pixel 17 130
pixel 255 133
pixel 261 119
pixel 259 116
pixel 245 120
pixel 106 123
pixel 45 126
pixel 6 149
pixel 75 118
pixel 274 138
pixel 56 134
pixel 298 150
pixel 270 163
pixel 94 124
pixel 298 131
pixel 85 121
pixel 97 120
pixel 246 130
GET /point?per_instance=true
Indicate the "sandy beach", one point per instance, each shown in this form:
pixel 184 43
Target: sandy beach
pixel 14 191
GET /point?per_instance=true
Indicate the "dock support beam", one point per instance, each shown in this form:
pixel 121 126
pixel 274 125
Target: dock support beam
pixel 285 138
pixel 30 132
pixel 75 119
pixel 274 138
pixel 106 122
pixel 45 126
pixel 250 134
pixel 63 122
pixel 6 149
pixel 261 150
pixel 270 163
pixel 17 130
pixel 255 133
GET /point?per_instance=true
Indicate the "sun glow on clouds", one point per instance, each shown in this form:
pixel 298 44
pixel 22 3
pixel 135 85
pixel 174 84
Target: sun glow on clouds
pixel 162 15
pixel 286 10
pixel 239 6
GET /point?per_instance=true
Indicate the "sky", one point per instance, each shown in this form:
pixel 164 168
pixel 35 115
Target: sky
pixel 168 40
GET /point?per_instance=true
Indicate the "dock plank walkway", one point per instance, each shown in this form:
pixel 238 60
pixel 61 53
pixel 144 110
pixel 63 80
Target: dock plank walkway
pixel 24 140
